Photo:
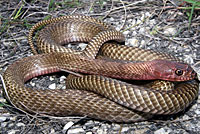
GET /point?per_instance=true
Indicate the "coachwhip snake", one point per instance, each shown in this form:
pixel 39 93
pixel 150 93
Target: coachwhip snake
pixel 116 101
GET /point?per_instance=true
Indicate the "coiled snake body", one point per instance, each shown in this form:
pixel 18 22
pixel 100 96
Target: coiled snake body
pixel 100 97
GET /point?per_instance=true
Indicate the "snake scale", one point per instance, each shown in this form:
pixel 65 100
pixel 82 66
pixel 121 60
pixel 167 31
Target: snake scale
pixel 97 96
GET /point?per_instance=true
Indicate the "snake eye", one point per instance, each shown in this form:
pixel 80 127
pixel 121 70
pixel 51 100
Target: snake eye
pixel 179 72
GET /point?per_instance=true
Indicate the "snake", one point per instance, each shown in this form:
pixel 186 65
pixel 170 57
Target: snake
pixel 101 94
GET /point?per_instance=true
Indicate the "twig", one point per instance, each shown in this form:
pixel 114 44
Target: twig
pixel 91 6
pixel 125 16
pixel 16 9
pixel 133 3
pixel 109 10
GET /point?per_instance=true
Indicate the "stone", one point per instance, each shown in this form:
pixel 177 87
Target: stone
pixel 67 126
pixel 89 133
pixel 170 31
pixel 4 124
pixel 160 131
pixel 20 124
pixel 62 78
pixel 2 119
pixel 52 86
pixel 75 131
pixel 133 42
pixel 12 131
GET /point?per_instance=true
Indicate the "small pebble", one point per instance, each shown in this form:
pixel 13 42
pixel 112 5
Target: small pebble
pixel 152 22
pixel 12 131
pixel 142 30
pixel 126 32
pixel 2 100
pixel 68 125
pixel 186 117
pixel 133 42
pixel 147 14
pixel 133 22
pixel 102 131
pixel 13 118
pixel 32 83
pixel 2 119
pixel 62 78
pixel 51 78
pixel 142 17
pixel 125 129
pixel 52 86
pixel 170 31
pixel 160 131
pixel 133 33
pixel 52 131
pixel 20 124
pixel 75 131
pixel 4 124
pixel 143 42
pixel 116 127
pixel 82 45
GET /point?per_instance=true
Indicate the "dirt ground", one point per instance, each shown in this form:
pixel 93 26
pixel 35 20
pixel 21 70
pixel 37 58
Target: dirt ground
pixel 168 26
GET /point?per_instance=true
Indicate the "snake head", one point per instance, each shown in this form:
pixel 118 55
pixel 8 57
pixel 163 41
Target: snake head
pixel 172 71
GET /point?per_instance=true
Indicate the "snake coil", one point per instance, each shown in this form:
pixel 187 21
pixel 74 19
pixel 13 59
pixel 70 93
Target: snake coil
pixel 116 101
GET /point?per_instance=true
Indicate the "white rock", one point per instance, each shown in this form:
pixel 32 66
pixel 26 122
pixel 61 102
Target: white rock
pixel 152 22
pixel 116 127
pixel 52 86
pixel 142 30
pixel 197 111
pixel 82 45
pixel 111 19
pixel 160 131
pixel 13 118
pixel 117 28
pixel 20 124
pixel 2 100
pixel 188 59
pixel 139 21
pixel 133 42
pixel 52 131
pixel 134 33
pixel 170 31
pixel 89 133
pixel 186 117
pixel 51 78
pixel 75 131
pixel 102 131
pixel 124 129
pixel 4 124
pixel 62 78
pixel 63 87
pixel 104 3
pixel 142 17
pixel 2 119
pixel 32 84
pixel 133 22
pixel 12 131
pixel 126 32
pixel 147 14
pixel 68 125
pixel 143 42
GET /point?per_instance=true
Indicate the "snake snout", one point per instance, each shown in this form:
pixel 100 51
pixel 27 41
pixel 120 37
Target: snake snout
pixel 173 71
